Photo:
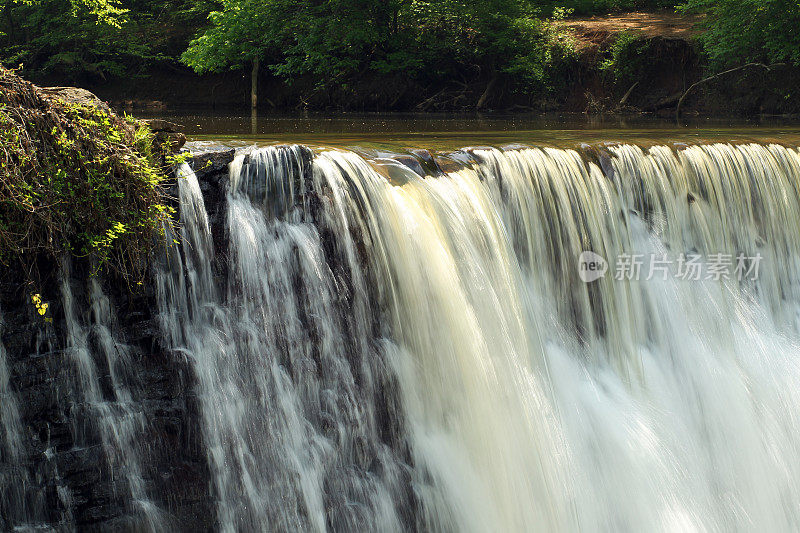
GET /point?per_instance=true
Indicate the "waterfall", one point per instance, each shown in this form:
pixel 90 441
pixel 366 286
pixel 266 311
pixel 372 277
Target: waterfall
pixel 14 507
pixel 287 376
pixel 391 350
pixel 117 421
pixel 519 339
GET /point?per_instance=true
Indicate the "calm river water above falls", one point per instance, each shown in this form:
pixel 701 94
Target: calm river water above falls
pixel 453 131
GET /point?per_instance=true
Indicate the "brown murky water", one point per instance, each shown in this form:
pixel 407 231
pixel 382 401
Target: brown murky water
pixel 452 131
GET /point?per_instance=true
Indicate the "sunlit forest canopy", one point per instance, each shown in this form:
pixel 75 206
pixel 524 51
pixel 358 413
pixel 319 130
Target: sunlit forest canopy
pixel 357 46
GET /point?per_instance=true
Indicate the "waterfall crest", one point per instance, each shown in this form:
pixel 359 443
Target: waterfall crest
pixel 287 376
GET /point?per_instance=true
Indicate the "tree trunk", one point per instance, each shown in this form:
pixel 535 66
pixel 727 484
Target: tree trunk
pixel 254 85
pixel 12 29
pixel 485 96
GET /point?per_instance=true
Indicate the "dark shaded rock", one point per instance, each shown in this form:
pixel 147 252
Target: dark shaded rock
pixel 167 133
pixel 211 169
pixel 70 484
pixel 174 140
pixel 70 481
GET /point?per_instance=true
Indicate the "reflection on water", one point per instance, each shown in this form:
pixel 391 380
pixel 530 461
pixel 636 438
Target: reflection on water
pixel 442 131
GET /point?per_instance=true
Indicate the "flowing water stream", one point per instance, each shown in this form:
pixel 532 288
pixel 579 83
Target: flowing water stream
pixel 392 350
pixel 392 343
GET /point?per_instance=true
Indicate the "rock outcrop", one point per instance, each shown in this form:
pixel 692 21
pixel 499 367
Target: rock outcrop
pixel 76 95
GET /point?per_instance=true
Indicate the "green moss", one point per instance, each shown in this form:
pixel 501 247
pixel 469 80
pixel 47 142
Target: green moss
pixel 77 180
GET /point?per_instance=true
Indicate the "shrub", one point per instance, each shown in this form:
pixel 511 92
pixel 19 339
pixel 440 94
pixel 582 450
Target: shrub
pixel 625 57
pixel 76 180
pixel 738 31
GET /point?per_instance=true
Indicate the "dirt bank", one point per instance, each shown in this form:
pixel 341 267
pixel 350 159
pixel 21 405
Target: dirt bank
pixel 664 24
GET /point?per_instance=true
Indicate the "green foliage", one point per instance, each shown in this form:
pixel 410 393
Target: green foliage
pixel 601 7
pixel 738 31
pixel 95 39
pixel 625 56
pixel 74 179
pixel 231 41
pixel 337 42
pixel 69 33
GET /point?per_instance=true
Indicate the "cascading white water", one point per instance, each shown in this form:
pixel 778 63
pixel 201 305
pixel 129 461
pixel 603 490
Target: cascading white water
pixel 287 377
pixel 13 476
pixel 389 351
pixel 118 423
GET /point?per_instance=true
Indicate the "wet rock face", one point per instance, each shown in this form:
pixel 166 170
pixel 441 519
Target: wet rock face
pixel 67 477
pixel 211 169
pixel 69 483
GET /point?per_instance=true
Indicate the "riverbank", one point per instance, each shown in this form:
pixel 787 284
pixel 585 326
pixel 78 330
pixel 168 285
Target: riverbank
pixel 635 63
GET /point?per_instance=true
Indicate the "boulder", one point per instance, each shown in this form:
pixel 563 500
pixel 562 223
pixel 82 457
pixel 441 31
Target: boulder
pixel 75 95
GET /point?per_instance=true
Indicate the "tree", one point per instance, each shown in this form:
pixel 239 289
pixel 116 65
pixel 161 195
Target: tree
pixel 241 33
pixel 341 42
pixel 61 35
pixel 331 40
pixel 742 31
pixel 89 40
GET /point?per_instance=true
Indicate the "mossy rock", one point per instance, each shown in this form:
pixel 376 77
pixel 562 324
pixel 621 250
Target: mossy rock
pixel 77 179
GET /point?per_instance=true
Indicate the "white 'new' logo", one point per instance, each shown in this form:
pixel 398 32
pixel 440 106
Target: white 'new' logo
pixel 591 266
